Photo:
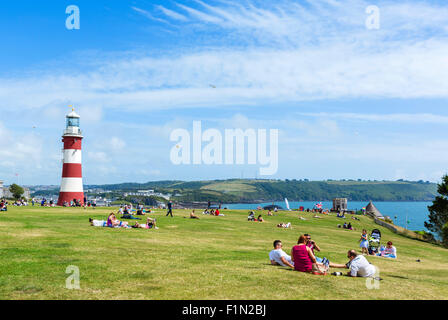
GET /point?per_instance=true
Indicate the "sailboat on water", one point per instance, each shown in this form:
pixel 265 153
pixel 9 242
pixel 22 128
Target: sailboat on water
pixel 287 204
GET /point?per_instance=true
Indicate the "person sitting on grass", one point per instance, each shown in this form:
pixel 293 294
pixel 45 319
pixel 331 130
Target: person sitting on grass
pixel 251 216
pixel 270 213
pixel 3 205
pixel 150 223
pixel 312 245
pixel 193 216
pixel 340 215
pixel 259 218
pixel 113 222
pixel 205 211
pixel 125 214
pixel 304 259
pixel 279 257
pixel 140 211
pixel 389 252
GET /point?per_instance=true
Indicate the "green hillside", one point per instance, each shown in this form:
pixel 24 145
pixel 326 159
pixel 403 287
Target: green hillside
pixel 239 190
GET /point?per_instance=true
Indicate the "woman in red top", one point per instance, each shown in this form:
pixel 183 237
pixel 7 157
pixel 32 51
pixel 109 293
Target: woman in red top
pixel 304 259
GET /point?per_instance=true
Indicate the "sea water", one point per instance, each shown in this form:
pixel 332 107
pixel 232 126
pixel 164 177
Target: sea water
pixel 410 215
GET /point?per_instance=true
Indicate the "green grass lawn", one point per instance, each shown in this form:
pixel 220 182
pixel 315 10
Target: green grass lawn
pixel 211 258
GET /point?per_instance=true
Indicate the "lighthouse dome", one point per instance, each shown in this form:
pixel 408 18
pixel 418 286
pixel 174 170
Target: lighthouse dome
pixel 73 114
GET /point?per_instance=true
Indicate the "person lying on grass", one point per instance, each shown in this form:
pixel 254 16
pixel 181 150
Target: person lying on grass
pixel 150 223
pixel 284 225
pixel 358 265
pixel 279 257
pixel 97 223
pixel 304 259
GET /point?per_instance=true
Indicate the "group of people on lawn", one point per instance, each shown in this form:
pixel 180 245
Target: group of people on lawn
pixel 303 259
pixel 388 251
pixel 251 217
pixel 113 222
pixel 3 205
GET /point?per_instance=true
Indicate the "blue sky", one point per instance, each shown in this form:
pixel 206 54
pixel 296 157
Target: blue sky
pixel 349 102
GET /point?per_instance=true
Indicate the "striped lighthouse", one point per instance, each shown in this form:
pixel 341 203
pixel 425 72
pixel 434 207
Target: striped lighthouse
pixel 71 184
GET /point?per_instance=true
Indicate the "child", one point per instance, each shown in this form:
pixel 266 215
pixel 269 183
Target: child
pixel 364 243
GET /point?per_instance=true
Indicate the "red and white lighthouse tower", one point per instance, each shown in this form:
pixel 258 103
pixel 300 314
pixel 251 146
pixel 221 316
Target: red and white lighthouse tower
pixel 71 185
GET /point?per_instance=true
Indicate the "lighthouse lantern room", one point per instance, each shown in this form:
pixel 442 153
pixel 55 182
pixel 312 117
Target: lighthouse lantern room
pixel 71 185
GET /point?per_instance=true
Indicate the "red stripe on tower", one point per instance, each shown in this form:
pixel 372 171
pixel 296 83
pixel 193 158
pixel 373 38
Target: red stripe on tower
pixel 72 170
pixel 71 184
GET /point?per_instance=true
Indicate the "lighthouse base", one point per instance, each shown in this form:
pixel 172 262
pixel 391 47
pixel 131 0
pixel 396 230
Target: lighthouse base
pixel 66 197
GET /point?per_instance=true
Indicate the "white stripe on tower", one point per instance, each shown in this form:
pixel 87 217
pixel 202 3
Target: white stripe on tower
pixel 71 185
pixel 72 156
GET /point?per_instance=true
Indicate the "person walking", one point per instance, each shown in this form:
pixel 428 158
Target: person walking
pixel 170 209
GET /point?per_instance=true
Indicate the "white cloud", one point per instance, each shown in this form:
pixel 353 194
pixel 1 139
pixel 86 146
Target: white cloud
pixel 396 117
pixel 172 14
pixel 98 156
pixel 200 15
pixel 116 144
pixel 23 153
pixel 245 77
pixel 278 52
pixel 306 52
pixel 147 14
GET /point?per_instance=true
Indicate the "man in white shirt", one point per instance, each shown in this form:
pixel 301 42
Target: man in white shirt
pixel 97 223
pixel 279 257
pixel 359 266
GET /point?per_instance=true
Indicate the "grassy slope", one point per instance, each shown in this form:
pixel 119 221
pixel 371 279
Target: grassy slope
pixel 210 258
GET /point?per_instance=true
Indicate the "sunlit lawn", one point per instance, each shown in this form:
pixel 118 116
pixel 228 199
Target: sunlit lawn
pixel 211 258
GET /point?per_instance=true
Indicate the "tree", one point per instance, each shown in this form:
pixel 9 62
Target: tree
pixel 16 191
pixel 438 212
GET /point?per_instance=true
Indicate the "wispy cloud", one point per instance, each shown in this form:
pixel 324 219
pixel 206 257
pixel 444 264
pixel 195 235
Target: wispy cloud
pixel 172 14
pixel 396 117
pixel 317 50
pixel 200 15
pixel 255 54
pixel 147 14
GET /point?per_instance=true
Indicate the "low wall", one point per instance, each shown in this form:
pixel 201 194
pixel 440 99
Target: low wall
pixel 399 230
